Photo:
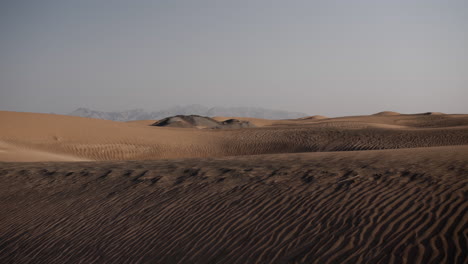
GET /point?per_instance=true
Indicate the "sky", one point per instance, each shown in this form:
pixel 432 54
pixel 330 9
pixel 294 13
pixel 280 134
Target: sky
pixel 326 57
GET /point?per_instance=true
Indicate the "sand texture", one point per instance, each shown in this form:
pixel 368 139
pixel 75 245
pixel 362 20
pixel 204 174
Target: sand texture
pixel 388 206
pixel 382 188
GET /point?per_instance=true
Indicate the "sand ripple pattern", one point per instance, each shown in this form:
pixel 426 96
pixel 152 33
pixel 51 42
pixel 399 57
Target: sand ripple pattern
pixel 360 207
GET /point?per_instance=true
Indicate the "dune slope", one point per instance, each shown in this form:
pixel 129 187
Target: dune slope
pixel 387 206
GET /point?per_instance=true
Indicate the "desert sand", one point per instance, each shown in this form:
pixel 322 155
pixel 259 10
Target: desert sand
pixel 76 138
pixel 382 188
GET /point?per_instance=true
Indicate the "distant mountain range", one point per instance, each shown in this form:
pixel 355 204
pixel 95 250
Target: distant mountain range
pixel 140 114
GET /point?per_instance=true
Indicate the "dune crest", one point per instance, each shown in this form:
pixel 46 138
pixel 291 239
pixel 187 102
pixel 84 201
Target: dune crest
pixel 314 117
pixel 387 113
pixel 433 113
pixel 196 121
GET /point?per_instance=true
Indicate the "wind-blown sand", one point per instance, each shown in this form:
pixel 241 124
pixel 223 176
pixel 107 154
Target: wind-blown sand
pixel 401 199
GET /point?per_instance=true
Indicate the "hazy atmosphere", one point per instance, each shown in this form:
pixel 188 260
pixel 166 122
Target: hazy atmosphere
pixel 240 131
pixel 317 57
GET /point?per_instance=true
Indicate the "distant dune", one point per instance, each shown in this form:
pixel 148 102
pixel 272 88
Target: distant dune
pixel 315 117
pixel 387 113
pixel 76 138
pixel 433 113
pixel 196 121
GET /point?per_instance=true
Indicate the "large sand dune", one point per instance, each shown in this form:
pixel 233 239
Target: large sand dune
pixel 387 206
pixel 383 188
pixel 73 138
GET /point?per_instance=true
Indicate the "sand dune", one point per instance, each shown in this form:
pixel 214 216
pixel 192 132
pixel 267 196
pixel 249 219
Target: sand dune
pixel 386 206
pixel 314 117
pixel 15 153
pixel 72 138
pixel 387 113
pixel 383 188
pixel 259 122
pixel 202 122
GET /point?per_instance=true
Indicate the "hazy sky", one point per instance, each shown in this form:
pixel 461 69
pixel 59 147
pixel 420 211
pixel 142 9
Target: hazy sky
pixel 319 57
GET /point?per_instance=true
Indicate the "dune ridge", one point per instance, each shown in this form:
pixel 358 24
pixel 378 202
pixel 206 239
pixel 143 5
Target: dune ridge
pixel 387 113
pixel 202 122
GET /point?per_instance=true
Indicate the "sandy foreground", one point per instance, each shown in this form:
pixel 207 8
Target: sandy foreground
pixel 384 188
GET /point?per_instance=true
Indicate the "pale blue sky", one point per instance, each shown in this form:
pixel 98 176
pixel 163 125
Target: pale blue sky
pixel 319 57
